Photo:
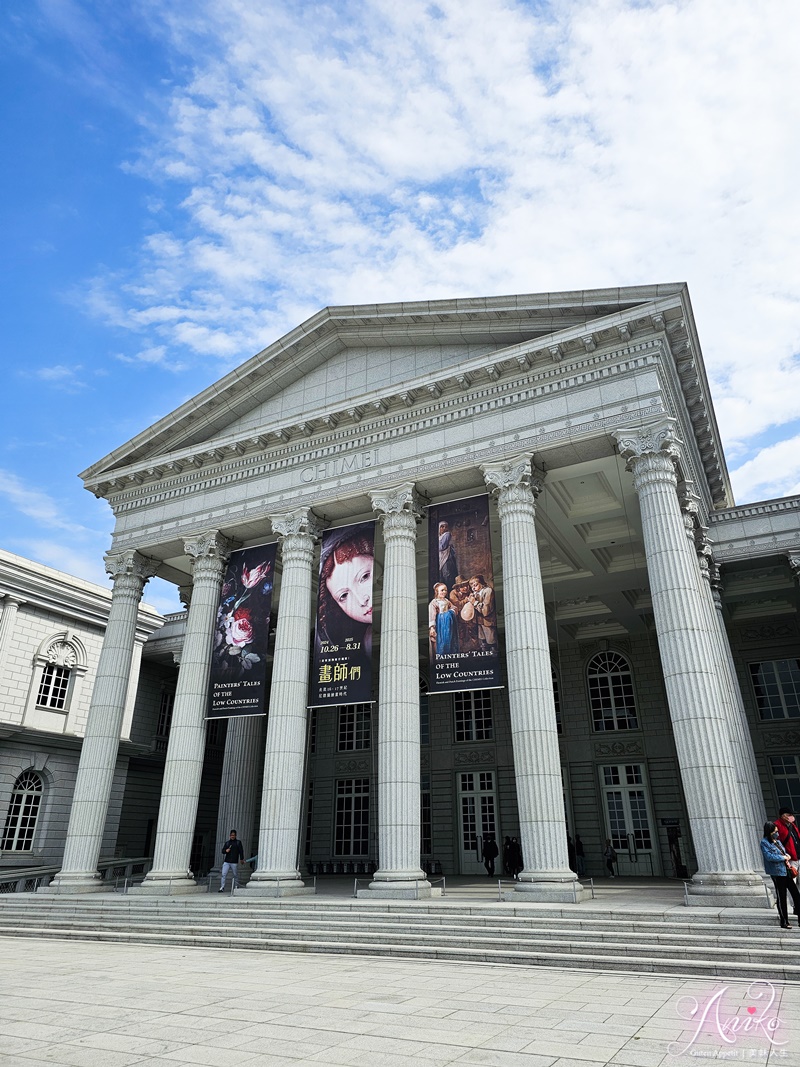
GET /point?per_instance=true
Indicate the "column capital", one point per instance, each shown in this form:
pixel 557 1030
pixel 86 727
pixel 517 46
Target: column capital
pixel 185 595
pixel 516 472
pixel 793 558
pixel 400 499
pixel 208 552
pixel 301 522
pixel 650 451
pixel 130 571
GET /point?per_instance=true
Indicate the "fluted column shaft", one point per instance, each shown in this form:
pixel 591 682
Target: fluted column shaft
pixel 687 646
pixel 244 752
pixel 130 572
pixel 8 617
pixel 399 816
pixel 534 733
pixel 284 758
pixel 183 767
pixel 751 781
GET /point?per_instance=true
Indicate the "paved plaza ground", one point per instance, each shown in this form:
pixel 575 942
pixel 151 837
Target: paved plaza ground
pixel 105 1005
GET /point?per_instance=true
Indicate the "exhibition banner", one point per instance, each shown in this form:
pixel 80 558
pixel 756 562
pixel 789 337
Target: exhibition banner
pixel 238 679
pixel 462 620
pixel 342 669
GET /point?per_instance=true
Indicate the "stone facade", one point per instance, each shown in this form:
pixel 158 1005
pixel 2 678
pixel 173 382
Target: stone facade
pixel 52 628
pixel 648 626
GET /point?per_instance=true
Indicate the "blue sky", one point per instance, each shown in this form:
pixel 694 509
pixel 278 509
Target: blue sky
pixel 183 182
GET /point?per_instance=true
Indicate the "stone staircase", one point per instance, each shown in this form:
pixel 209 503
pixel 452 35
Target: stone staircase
pixel 679 941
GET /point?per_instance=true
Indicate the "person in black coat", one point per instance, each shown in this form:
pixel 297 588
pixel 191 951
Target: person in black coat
pixel 233 851
pixel 490 853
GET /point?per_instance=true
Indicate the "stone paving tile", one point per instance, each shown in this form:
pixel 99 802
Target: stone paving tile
pixel 86 1057
pixel 495 1058
pixel 104 1004
pixel 206 1054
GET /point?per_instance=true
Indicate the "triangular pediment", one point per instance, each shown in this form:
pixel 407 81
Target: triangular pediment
pixel 345 361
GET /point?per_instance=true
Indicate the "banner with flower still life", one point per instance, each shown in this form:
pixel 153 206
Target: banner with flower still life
pixel 462 616
pixel 342 669
pixel 238 680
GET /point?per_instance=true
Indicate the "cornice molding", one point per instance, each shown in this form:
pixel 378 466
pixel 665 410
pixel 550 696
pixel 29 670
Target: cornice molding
pixel 369 433
pixel 469 456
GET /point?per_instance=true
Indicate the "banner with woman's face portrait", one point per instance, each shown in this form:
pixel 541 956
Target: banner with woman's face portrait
pixel 462 617
pixel 342 668
pixel 238 680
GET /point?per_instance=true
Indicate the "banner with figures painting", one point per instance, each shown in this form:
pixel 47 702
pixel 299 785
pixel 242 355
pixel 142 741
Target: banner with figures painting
pixel 342 669
pixel 238 680
pixel 462 617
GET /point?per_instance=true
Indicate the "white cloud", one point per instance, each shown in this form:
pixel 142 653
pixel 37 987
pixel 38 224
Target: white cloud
pixel 774 471
pixel 84 564
pixel 37 505
pixel 383 151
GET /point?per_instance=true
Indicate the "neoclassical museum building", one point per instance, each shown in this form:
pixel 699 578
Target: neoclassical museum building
pixel 644 628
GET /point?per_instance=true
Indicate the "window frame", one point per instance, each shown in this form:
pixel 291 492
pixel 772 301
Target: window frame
pixel 14 819
pixel 599 721
pixel 468 726
pixel 754 665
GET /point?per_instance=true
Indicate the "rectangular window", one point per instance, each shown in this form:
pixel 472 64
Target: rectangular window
pixel 473 715
pixel 777 688
pixel 309 816
pixel 424 721
pixel 165 713
pixel 53 687
pixel 786 773
pixel 426 834
pixel 354 727
pixel 557 701
pixel 312 732
pixel 352 817
pixel 215 732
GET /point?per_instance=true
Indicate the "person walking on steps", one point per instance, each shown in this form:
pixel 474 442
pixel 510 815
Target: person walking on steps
pixel 233 852
pixel 490 851
pixel 580 856
pixel 610 856
pixel 778 865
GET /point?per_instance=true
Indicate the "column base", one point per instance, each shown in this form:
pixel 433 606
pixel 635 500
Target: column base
pixel 165 884
pixel 79 882
pixel 740 890
pixel 546 890
pixel 397 889
pixel 290 884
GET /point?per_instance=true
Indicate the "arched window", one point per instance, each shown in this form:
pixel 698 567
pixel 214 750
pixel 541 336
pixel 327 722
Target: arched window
pixel 611 692
pixel 58 666
pixel 26 800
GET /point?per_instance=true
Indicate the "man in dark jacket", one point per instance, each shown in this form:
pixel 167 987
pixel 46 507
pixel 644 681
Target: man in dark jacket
pixel 490 851
pixel 233 852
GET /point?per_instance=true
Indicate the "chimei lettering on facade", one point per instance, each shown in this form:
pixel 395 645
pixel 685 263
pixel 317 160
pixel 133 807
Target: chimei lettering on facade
pixel 712 1017
pixel 337 466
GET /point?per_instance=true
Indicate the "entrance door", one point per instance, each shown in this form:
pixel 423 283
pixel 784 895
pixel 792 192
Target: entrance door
pixel 628 820
pixel 477 807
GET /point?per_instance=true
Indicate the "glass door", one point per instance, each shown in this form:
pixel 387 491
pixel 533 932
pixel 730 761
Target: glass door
pixel 477 807
pixel 629 821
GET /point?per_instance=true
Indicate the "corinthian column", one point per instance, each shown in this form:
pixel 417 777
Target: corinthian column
pixel 746 768
pixel 284 759
pixel 537 765
pixel 244 753
pixel 695 693
pixel 8 618
pixel 183 768
pixel 129 572
pixel 399 874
